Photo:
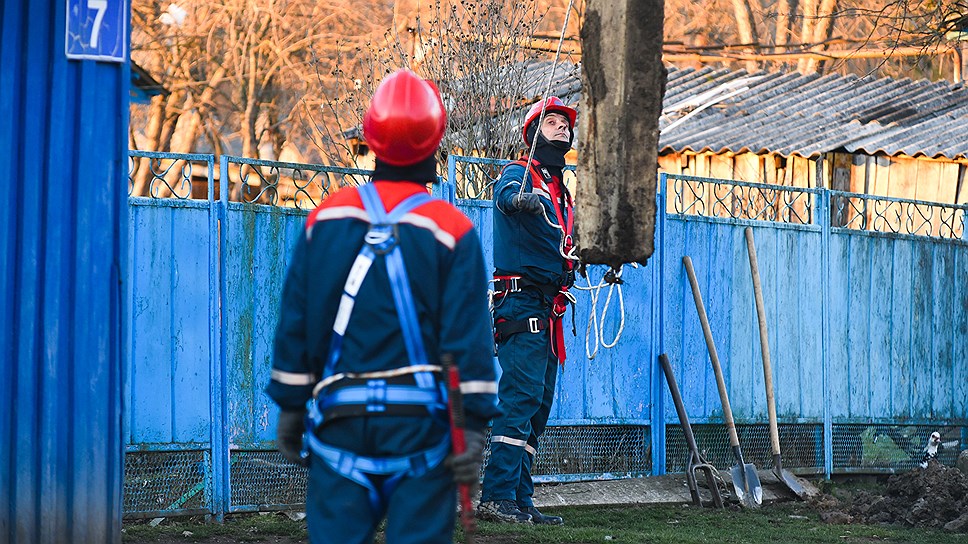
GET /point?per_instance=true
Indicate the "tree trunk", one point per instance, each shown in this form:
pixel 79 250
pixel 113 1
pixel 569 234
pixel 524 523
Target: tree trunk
pixel 817 29
pixel 746 27
pixel 784 23
pixel 784 32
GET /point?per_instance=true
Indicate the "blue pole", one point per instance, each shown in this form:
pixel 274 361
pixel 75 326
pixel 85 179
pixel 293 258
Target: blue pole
pixel 219 500
pixel 823 219
pixel 657 414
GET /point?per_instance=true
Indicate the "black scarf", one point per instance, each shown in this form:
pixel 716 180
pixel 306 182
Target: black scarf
pixel 548 153
pixel 424 171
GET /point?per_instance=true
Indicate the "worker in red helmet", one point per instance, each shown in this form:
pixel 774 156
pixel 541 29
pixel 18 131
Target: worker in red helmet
pixel 385 280
pixel 533 270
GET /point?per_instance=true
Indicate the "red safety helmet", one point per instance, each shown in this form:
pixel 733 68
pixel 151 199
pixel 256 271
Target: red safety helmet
pixel 406 119
pixel 552 104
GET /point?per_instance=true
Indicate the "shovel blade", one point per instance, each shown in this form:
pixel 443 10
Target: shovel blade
pixel 793 483
pixel 746 483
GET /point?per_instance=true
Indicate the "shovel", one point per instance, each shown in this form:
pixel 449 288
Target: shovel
pixel 746 483
pixel 696 462
pixel 784 476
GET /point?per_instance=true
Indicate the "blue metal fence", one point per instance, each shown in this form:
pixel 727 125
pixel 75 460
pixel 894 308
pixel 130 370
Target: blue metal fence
pixel 867 331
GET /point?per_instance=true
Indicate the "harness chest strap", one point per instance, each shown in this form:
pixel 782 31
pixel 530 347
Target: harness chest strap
pixel 561 202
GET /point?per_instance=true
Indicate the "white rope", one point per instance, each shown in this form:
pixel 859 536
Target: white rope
pixel 596 324
pixel 544 97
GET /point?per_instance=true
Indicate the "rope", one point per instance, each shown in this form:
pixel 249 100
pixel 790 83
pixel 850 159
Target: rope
pixel 596 324
pixel 551 77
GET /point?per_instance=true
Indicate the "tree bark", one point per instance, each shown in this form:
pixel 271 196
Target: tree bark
pixel 746 28
pixel 817 29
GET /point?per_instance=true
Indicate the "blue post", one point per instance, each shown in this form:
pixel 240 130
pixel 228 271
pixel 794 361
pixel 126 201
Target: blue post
pixel 657 413
pixel 221 491
pixel 449 188
pixel 823 219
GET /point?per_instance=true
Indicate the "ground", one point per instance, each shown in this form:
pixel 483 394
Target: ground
pixel 929 505
pixel 935 497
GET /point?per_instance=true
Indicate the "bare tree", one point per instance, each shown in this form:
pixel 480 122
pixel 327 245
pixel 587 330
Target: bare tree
pixel 236 68
pixel 478 53
pixel 821 35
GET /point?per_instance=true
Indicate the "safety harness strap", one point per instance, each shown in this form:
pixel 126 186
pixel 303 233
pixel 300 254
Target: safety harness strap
pixel 504 328
pixel 504 284
pixel 377 395
pixel 399 282
pixel 358 468
pixel 382 238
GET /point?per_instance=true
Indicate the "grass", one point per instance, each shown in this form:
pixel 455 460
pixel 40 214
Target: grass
pixel 789 523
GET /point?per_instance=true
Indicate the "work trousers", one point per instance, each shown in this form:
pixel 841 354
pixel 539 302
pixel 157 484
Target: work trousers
pixel 421 510
pixel 525 393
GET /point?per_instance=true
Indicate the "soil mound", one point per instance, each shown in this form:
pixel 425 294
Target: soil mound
pixel 933 497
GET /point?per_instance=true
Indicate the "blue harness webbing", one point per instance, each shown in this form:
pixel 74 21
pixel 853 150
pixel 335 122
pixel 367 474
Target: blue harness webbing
pixel 375 394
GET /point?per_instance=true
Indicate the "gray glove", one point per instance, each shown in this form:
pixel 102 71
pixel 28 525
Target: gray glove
pixel 289 436
pixel 467 466
pixel 527 202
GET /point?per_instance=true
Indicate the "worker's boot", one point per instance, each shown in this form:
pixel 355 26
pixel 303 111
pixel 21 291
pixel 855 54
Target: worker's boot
pixel 541 519
pixel 504 511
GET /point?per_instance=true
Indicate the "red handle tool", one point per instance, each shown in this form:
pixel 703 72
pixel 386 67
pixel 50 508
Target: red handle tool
pixel 455 405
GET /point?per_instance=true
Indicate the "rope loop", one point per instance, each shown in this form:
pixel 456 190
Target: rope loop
pixel 612 279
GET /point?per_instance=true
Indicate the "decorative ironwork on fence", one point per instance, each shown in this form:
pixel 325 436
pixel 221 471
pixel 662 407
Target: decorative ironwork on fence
pixel 474 177
pixel 897 215
pixel 300 186
pixel 169 175
pixel 728 199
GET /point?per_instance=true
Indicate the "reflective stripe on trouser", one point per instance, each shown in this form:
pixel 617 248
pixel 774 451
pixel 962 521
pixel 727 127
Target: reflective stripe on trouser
pixel 421 509
pixel 526 391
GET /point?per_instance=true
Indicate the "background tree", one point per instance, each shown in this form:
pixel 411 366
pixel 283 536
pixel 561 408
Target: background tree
pixel 237 70
pixel 476 52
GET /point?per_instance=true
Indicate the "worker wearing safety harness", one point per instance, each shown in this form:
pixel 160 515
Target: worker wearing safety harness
pixel 532 239
pixel 384 281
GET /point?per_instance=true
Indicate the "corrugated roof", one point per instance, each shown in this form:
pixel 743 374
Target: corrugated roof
pixel 722 110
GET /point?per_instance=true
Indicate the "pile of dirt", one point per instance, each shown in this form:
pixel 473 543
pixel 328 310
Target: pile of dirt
pixel 934 497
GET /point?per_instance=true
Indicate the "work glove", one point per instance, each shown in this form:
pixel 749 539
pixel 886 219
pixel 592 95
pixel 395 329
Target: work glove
pixel 289 436
pixel 467 466
pixel 527 202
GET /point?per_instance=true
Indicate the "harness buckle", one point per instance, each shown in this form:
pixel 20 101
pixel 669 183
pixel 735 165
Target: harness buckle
pixel 513 286
pixel 381 237
pixel 533 325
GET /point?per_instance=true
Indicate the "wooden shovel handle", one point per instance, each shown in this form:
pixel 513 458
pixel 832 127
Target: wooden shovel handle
pixel 764 341
pixel 713 357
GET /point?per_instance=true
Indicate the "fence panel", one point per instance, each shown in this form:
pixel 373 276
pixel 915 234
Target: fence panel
pixel 172 288
pixel 790 266
pixel 898 310
pixel 170 348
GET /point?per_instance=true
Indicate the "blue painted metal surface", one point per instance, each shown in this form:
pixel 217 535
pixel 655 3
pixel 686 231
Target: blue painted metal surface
pixel 62 229
pixel 864 327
